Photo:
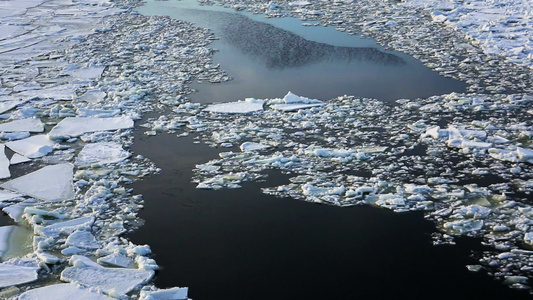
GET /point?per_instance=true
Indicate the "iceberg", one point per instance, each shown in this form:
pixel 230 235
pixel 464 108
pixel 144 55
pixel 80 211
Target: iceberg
pixel 62 291
pixel 51 183
pixel 75 126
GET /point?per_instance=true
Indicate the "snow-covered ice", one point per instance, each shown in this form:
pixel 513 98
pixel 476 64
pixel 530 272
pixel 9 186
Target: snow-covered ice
pixel 62 291
pixel 101 153
pixel 32 147
pixel 29 125
pixel 74 127
pixel 14 275
pixel 250 105
pixel 4 163
pixel 51 183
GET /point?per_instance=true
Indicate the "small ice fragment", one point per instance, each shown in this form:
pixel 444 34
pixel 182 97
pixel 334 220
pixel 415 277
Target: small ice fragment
pixel 4 163
pixel 464 226
pixel 62 291
pixel 116 260
pixel 51 183
pixel 7 195
pixel 18 159
pixel 107 280
pixel 291 98
pixel 13 136
pixel 29 125
pixel 82 239
pixel 83 261
pixel 72 251
pixel 250 146
pixel 13 274
pixel 32 147
pixel 15 211
pixel 65 227
pixel 239 107
pixel 7 105
pixel 474 268
pixel 175 293
pixel 75 126
pixel 101 153
pixel 47 258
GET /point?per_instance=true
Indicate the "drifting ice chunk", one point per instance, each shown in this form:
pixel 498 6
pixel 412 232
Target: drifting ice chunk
pixel 4 163
pixel 93 96
pixel 528 238
pixel 250 146
pixel 107 280
pixel 51 183
pixel 57 93
pixel 116 260
pixel 293 107
pixel 524 154
pixel 7 195
pixel 82 239
pixel 101 153
pixel 7 105
pixel 167 294
pixel 13 275
pixel 5 231
pixel 18 159
pixel 66 227
pixel 86 73
pixel 291 98
pixel 250 105
pixel 73 127
pixel 62 291
pixel 32 147
pixel 16 211
pixel 23 125
pixel 464 226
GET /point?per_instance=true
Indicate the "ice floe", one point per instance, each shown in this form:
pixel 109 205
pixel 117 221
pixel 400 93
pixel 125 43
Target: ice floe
pixel 250 105
pixel 32 147
pixel 62 291
pixel 29 125
pixel 74 127
pixel 51 183
pixel 14 274
pixel 101 153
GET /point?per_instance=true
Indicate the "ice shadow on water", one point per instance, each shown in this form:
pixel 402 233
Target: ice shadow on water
pixel 280 49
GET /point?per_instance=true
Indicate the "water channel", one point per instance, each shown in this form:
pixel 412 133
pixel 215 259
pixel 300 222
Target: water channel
pixel 242 244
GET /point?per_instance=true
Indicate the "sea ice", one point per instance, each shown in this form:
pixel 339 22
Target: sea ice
pixel 176 293
pixel 5 231
pixel 111 281
pixel 4 163
pixel 116 260
pixel 28 125
pixel 13 274
pixel 75 126
pixel 18 159
pixel 295 106
pixel 251 146
pixel 250 105
pixel 101 153
pixel 82 239
pixel 62 291
pixel 93 96
pixel 86 73
pixel 10 104
pixel 51 183
pixel 32 147
pixel 64 227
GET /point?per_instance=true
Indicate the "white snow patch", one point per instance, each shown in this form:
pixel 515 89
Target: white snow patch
pixel 4 163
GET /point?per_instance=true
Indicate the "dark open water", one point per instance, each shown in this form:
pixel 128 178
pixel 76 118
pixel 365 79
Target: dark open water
pixel 241 244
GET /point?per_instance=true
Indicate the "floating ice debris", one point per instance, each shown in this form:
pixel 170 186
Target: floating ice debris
pixel 294 107
pixel 101 153
pixel 176 293
pixel 292 98
pixel 62 291
pixel 18 159
pixel 56 93
pixel 4 163
pixel 293 102
pixel 111 281
pixel 10 104
pixel 32 147
pixel 14 274
pixel 29 125
pixel 16 210
pixel 251 146
pixel 13 136
pixel 64 227
pixel 86 73
pixel 7 195
pixel 5 231
pixel 116 260
pixel 74 127
pixel 51 183
pixel 92 96
pixel 82 239
pixel 250 105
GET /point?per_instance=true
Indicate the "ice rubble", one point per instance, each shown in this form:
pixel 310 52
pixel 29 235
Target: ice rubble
pixel 62 291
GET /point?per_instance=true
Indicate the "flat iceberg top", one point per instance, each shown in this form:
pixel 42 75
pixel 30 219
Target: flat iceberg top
pixel 73 127
pixel 62 291
pixel 51 183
